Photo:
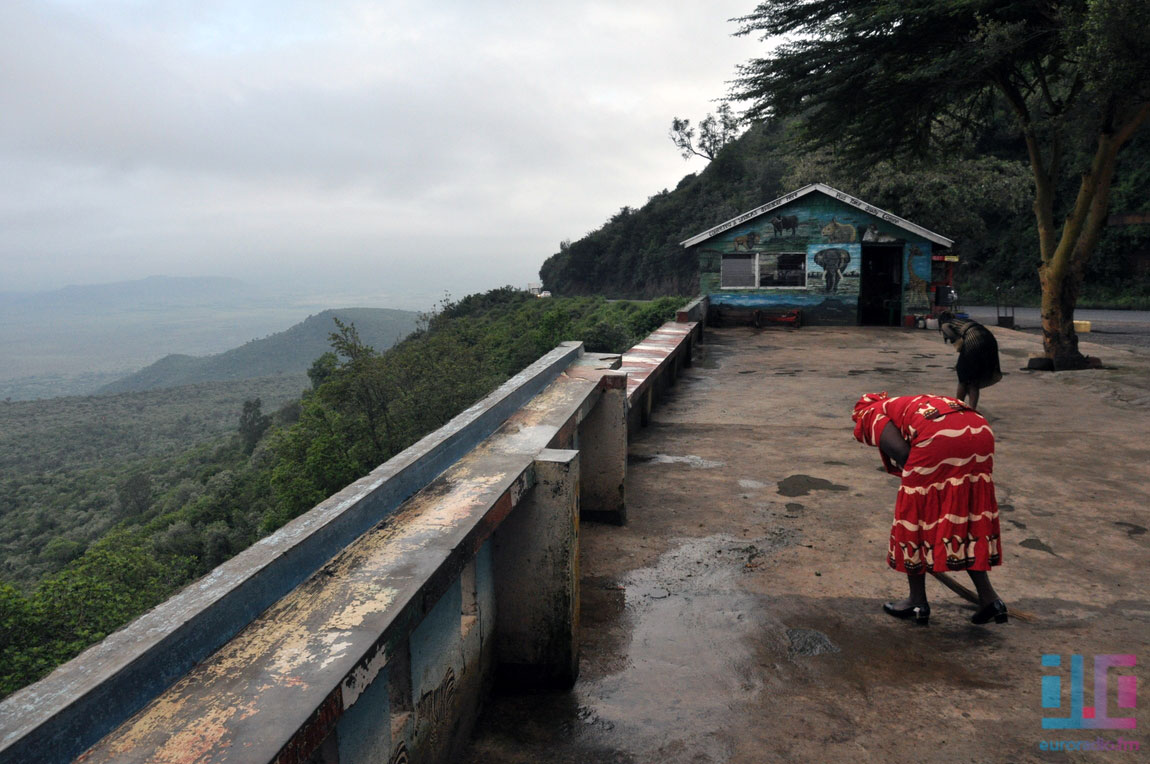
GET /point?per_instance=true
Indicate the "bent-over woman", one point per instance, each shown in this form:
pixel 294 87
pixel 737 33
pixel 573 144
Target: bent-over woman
pixel 977 365
pixel 946 514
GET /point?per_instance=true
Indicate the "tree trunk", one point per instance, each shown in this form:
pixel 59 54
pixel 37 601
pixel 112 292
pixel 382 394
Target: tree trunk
pixel 1063 266
pixel 1059 297
pixel 1062 269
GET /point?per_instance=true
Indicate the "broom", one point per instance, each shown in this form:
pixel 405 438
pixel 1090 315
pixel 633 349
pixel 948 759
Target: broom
pixel 970 596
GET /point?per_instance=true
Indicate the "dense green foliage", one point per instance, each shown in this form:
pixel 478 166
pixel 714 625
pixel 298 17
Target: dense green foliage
pixel 71 468
pixel 124 499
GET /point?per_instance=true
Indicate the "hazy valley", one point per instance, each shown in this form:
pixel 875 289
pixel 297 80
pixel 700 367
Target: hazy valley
pixel 77 340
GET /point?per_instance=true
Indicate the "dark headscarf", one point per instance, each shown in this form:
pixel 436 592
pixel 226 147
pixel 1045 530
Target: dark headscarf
pixel 953 329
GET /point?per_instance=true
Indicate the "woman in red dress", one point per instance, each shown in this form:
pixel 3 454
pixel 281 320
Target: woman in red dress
pixel 946 516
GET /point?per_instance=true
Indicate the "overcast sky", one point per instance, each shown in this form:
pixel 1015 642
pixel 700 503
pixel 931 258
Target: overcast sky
pixel 393 149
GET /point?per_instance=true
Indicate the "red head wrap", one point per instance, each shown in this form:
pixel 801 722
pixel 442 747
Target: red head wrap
pixel 867 415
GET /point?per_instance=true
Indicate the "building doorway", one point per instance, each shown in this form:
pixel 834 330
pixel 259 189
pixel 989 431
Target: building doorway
pixel 880 285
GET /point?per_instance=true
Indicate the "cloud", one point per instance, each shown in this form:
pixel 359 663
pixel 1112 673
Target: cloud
pixel 260 139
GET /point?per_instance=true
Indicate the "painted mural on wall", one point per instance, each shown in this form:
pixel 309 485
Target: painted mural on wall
pixel 916 278
pixel 808 254
pixel 834 268
pixel 785 223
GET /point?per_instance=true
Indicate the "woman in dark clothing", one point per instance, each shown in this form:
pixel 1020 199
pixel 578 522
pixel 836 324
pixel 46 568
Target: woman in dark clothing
pixel 977 365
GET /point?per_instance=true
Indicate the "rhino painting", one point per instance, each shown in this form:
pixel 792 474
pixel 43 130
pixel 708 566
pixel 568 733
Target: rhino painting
pixel 833 261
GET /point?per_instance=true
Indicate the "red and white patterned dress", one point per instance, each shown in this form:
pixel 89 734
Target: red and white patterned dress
pixel 946 515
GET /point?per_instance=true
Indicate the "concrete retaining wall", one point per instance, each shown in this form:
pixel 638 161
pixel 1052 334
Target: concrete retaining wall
pixel 695 312
pixel 654 364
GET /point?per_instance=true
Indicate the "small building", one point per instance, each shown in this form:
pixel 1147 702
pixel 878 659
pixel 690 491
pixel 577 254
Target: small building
pixel 831 256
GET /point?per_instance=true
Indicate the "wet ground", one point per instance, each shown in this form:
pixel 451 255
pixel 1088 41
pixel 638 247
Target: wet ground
pixel 736 618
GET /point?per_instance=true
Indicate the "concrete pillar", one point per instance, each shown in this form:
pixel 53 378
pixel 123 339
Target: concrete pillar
pixel 603 454
pixel 536 562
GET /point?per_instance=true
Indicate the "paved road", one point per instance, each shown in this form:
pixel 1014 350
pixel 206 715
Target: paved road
pixel 1107 327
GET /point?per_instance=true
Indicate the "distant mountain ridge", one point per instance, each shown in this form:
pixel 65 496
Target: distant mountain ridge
pixel 72 340
pixel 287 352
pixel 154 290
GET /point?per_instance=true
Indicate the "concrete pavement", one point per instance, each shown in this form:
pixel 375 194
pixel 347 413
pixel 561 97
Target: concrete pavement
pixel 736 617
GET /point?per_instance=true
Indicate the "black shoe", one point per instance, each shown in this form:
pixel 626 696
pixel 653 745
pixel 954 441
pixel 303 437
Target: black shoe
pixel 920 614
pixel 995 610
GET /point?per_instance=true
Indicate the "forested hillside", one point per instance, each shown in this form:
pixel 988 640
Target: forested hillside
pixel 286 352
pixel 980 198
pixel 112 503
pixel 71 468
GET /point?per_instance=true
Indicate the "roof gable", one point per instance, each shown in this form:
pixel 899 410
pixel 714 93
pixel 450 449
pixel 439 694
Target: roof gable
pixel 832 193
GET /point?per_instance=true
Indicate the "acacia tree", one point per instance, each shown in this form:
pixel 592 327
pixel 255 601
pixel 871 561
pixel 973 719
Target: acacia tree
pixel 715 131
pixel 877 79
pixel 253 424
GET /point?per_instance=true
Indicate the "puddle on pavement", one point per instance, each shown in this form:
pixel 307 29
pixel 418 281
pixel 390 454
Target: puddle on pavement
pixel 693 626
pixel 883 370
pixel 1037 545
pixel 686 624
pixel 801 485
pixel 697 462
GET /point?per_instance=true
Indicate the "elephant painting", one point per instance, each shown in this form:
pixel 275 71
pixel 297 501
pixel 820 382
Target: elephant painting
pixel 833 261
